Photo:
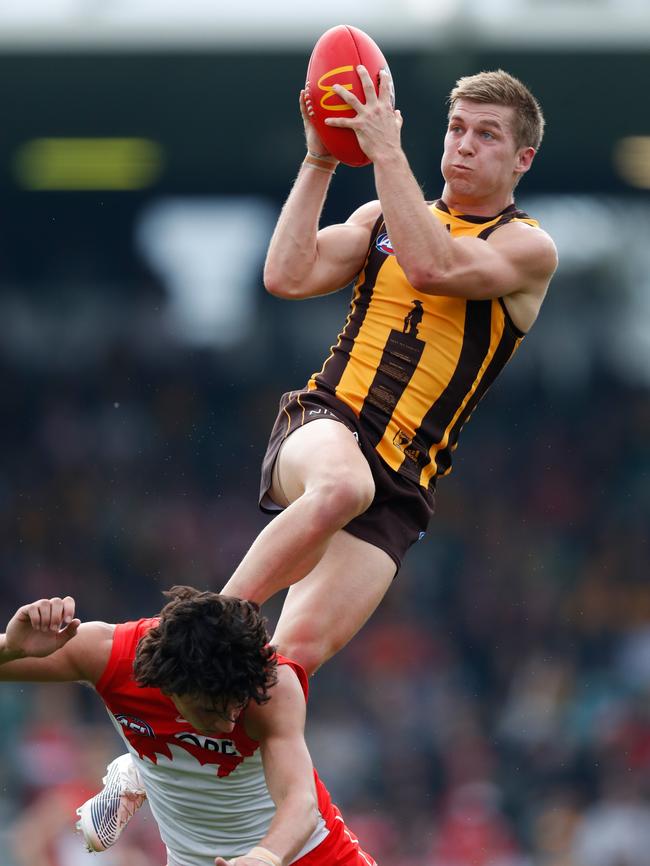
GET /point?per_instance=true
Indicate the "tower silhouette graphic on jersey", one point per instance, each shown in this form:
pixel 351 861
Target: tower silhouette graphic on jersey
pixel 401 356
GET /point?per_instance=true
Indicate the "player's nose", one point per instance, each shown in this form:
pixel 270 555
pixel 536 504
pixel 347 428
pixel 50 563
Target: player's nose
pixel 465 144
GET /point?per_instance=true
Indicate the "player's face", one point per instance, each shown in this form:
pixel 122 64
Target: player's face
pixel 480 158
pixel 206 715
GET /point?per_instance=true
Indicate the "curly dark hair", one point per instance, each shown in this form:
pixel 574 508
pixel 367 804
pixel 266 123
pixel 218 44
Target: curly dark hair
pixel 208 644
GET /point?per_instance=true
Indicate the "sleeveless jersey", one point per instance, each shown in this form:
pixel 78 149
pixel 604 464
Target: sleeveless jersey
pixel 208 794
pixel 413 366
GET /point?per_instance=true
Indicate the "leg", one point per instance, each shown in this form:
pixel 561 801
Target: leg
pixel 324 480
pixel 326 609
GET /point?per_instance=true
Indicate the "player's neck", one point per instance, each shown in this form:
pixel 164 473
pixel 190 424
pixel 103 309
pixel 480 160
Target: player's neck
pixel 476 207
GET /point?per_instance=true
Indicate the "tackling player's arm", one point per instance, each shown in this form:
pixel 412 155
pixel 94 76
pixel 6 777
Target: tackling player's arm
pixel 279 725
pixel 45 642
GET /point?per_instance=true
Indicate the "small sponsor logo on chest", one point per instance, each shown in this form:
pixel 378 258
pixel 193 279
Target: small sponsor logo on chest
pixel 219 747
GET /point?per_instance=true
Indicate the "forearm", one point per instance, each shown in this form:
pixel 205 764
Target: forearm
pixel 294 822
pixel 6 654
pixel 18 666
pixel 420 241
pixel 293 248
pixel 41 650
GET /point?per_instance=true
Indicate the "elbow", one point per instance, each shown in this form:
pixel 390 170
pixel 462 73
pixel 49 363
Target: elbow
pixel 428 280
pixel 426 274
pixel 309 810
pixel 282 283
pixel 278 290
pixel 277 285
pixel 312 814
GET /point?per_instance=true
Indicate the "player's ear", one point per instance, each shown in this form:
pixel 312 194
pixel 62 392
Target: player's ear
pixel 525 156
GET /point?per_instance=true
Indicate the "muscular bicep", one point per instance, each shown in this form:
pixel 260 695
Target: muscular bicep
pixel 515 259
pixel 340 254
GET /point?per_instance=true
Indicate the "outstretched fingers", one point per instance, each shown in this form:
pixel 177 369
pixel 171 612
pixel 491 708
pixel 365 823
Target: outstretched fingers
pixel 367 83
pixel 372 98
pixel 386 87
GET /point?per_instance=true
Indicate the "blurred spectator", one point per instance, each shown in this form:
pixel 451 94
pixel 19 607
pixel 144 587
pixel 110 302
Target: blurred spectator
pixel 615 830
pixel 473 832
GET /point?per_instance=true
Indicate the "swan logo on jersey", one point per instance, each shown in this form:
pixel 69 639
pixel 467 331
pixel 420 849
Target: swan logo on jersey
pixel 131 723
pixel 384 245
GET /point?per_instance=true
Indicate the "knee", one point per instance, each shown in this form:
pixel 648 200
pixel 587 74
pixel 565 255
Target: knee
pixel 342 497
pixel 308 649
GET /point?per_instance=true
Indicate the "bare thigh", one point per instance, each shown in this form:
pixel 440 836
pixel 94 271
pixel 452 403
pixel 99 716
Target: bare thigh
pixel 329 606
pixel 320 451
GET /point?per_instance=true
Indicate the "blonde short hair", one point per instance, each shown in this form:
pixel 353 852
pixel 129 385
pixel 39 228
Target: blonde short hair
pixel 500 88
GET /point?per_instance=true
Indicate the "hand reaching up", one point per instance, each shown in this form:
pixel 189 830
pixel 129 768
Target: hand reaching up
pixel 41 628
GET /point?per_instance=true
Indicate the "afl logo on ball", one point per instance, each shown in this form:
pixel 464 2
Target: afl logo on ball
pixel 384 245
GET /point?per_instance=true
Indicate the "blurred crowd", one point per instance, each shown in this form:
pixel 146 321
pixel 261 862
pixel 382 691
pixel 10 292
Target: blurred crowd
pixel 494 712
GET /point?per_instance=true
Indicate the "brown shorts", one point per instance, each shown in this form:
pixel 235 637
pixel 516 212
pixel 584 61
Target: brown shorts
pixel 400 512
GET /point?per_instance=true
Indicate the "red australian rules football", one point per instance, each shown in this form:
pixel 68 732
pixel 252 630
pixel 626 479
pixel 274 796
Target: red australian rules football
pixel 334 60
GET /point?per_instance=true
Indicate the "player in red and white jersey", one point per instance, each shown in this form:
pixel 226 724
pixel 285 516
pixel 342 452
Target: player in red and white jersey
pixel 212 718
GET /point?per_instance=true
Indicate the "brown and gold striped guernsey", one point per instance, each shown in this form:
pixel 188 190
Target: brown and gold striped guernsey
pixel 414 366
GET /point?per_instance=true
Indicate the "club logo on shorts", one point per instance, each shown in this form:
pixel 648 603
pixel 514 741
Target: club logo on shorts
pixel 384 245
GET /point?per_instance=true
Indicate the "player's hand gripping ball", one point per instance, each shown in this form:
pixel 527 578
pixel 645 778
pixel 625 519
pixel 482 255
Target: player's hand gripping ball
pixel 334 60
